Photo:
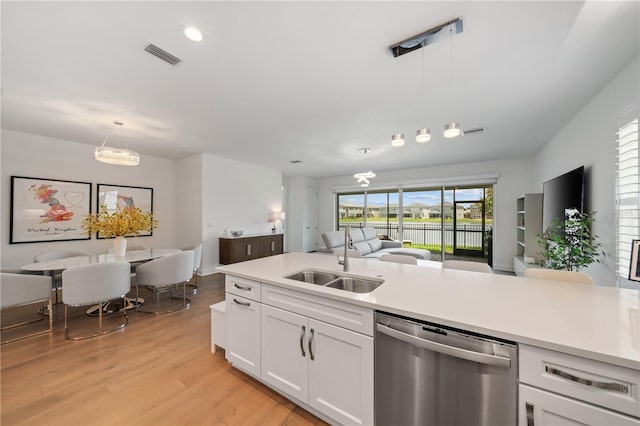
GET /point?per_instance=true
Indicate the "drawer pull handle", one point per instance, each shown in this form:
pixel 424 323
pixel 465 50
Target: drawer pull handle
pixel 530 419
pixel 302 340
pixel 311 350
pixel 242 287
pixel 618 387
pixel 241 303
pixel 248 249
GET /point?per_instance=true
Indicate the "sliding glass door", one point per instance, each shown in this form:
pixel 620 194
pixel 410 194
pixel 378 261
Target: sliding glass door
pixel 450 222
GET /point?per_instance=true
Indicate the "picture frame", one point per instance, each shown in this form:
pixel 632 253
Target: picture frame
pixel 634 266
pixel 47 210
pixel 121 196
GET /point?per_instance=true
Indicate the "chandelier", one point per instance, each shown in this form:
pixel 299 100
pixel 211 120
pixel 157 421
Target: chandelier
pixel 117 156
pixel 364 176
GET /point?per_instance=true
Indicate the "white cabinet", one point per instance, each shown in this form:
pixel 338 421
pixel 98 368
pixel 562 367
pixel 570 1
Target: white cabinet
pixel 542 408
pixel 341 373
pixel 243 333
pixel 285 351
pixel 243 324
pixel 327 367
pixel 562 389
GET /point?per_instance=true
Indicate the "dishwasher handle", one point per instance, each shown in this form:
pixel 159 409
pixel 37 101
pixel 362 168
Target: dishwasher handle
pixel 498 361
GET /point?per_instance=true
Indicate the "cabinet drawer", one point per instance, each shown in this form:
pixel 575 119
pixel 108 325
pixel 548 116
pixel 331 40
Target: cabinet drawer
pixel 242 287
pixel 342 314
pixel 541 408
pixel 606 385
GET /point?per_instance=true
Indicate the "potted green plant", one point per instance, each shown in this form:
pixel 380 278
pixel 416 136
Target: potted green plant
pixel 569 244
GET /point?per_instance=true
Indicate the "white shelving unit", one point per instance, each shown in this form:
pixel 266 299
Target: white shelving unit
pixel 528 225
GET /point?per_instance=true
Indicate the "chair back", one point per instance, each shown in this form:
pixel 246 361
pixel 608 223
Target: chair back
pixel 553 274
pixel 20 289
pixel 58 254
pixel 197 254
pixel 467 265
pixel 172 269
pixel 399 258
pixel 95 283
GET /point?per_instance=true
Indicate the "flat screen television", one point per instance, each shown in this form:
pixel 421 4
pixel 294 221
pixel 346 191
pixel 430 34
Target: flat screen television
pixel 561 193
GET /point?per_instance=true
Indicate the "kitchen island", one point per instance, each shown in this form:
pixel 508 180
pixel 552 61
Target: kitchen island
pixel 595 323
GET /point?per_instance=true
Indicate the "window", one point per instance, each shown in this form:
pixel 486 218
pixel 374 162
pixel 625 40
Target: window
pixel 453 219
pixel 627 193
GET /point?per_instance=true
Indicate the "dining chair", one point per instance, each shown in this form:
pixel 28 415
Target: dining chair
pixel 467 265
pixel 399 258
pixel 25 289
pixel 553 274
pixel 197 258
pixel 95 284
pixel 57 254
pixel 162 274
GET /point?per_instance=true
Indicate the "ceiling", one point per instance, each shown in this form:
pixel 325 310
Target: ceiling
pixel 313 81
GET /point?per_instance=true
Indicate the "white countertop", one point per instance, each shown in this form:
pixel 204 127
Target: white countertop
pixel 596 322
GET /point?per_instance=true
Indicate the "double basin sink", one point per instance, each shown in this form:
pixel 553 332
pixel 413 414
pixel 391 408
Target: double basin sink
pixel 332 280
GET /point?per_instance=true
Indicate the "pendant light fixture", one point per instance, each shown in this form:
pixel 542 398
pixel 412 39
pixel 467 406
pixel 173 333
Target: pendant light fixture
pixel 365 175
pixel 117 156
pixel 452 129
pixel 423 135
pixel 397 140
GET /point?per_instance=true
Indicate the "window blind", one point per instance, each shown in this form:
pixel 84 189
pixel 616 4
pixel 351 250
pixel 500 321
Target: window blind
pixel 627 191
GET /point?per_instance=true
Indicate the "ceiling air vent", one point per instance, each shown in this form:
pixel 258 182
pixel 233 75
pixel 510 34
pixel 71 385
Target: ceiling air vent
pixel 295 161
pixel 162 54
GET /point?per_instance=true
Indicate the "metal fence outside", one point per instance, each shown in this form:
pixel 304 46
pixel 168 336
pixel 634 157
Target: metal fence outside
pixel 469 235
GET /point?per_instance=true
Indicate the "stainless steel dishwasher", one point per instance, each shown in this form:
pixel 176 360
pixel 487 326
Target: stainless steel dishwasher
pixel 428 374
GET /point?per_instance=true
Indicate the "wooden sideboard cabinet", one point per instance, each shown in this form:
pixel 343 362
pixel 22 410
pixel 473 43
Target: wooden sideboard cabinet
pixel 233 250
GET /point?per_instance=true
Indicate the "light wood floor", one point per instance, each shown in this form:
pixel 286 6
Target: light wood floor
pixel 159 370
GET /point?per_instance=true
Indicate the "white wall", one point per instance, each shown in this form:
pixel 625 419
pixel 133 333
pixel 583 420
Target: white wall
pixel 296 210
pixel 236 195
pixel 589 140
pixel 189 194
pixel 515 177
pixel 37 156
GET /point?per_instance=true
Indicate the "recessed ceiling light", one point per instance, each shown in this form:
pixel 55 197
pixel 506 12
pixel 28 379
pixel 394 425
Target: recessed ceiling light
pixel 193 34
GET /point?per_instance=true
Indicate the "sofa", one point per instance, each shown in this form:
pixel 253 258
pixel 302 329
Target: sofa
pixel 366 242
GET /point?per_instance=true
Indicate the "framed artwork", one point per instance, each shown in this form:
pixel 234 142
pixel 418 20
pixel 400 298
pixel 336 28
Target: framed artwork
pixel 45 210
pixel 116 197
pixel 634 267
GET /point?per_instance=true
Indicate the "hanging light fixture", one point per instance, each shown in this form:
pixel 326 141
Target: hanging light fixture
pixel 423 135
pixel 117 156
pixel 452 129
pixel 397 139
pixel 364 176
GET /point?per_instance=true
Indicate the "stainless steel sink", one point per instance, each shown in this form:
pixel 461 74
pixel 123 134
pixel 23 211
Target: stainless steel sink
pixel 355 285
pixel 313 277
pixel 340 282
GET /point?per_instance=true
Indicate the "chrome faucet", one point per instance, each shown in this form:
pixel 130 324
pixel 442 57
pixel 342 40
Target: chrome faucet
pixel 348 244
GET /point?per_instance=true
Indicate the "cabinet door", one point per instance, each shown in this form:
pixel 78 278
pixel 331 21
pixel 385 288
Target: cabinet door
pixel 340 373
pixel 285 352
pixel 541 408
pixel 243 333
pixel 276 245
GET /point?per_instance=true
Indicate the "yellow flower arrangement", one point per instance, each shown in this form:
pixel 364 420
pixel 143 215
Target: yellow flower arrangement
pixel 124 222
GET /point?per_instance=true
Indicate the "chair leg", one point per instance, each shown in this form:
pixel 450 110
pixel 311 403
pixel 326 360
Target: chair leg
pixel 101 330
pixel 193 287
pixel 42 314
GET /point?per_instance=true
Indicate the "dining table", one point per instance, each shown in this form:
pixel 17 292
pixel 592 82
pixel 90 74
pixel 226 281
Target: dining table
pixel 54 266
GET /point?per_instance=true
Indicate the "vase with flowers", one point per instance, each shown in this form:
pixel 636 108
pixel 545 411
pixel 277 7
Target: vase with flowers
pixel 123 222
